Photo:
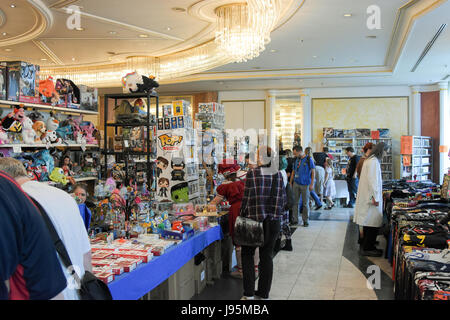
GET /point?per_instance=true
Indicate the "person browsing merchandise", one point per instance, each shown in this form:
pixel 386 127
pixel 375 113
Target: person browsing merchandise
pixel 302 182
pixel 65 216
pixel 261 205
pixel 29 267
pixel 352 180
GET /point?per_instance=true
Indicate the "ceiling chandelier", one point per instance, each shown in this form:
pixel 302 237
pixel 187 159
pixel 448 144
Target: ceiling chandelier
pixel 243 29
pixel 242 32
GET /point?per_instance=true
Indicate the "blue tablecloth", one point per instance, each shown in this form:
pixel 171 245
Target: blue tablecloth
pixel 146 277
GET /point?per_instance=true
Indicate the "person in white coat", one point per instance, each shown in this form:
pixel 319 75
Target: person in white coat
pixel 369 201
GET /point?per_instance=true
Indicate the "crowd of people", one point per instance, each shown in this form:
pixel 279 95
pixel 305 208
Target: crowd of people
pixel 270 188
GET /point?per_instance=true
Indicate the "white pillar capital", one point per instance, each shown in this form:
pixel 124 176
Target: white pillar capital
pixel 443 85
pixel 415 89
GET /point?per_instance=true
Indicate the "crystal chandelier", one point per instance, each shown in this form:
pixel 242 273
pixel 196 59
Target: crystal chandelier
pixel 243 29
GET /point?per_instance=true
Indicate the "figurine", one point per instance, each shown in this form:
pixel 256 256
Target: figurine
pixel 28 134
pixel 58 176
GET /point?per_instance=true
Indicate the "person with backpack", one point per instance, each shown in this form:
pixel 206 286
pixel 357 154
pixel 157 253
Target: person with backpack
pixel 302 182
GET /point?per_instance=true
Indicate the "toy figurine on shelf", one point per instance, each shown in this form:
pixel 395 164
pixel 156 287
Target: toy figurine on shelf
pixel 40 129
pixel 58 176
pixel 67 169
pixel 3 137
pixel 13 121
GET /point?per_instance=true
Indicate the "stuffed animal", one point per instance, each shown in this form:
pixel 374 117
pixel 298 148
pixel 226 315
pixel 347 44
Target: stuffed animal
pixel 28 133
pixel 52 123
pixel 13 121
pixel 133 82
pixel 36 116
pixel 3 137
pixel 51 137
pixel 40 129
pixel 58 176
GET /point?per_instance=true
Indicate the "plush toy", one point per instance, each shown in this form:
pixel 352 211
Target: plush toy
pixel 58 176
pixel 36 116
pixel 52 123
pixel 13 121
pixel 28 133
pixel 47 90
pixel 3 137
pixel 51 137
pixel 40 129
pixel 44 157
pixel 133 82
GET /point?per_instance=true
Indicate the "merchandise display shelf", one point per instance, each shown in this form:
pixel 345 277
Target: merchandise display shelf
pixel 146 277
pixel 44 145
pixel 47 107
pixel 129 124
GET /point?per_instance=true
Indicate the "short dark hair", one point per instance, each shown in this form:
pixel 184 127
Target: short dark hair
pixel 349 149
pixel 297 148
pixel 325 149
pixel 81 186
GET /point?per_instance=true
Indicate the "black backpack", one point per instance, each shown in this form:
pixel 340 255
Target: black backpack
pixel 91 287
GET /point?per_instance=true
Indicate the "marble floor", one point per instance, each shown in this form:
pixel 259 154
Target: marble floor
pixel 325 264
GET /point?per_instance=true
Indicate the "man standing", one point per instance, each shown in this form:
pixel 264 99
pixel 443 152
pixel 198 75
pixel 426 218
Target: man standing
pixel 65 216
pixel 352 180
pixel 302 182
pixel 29 267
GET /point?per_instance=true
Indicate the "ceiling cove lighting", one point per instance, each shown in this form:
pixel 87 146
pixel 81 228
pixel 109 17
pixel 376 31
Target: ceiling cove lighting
pixel 242 32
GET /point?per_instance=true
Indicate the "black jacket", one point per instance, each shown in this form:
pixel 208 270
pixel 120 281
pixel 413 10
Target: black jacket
pixel 351 167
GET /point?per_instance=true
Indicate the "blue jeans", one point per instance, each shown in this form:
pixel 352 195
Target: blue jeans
pixel 316 198
pixel 352 189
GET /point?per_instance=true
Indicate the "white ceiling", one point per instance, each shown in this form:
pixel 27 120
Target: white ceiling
pixel 345 57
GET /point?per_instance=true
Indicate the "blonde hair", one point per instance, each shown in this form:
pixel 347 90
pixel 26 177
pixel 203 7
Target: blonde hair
pixel 13 167
pixel 329 162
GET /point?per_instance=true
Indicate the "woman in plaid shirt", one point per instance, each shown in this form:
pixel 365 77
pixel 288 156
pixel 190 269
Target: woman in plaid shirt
pixel 259 204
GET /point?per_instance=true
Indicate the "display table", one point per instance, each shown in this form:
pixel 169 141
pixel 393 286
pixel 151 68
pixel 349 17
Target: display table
pixel 134 285
pixel 341 189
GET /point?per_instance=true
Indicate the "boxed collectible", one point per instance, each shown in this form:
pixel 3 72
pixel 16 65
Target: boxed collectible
pixel 328 132
pixel 338 133
pixel 180 108
pixel 62 87
pixel 88 98
pixel 384 133
pixel 23 82
pixel 3 80
pixel 363 133
pixel 167 110
pixel 73 96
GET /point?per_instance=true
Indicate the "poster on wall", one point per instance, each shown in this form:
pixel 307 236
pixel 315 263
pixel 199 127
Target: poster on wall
pixel 328 132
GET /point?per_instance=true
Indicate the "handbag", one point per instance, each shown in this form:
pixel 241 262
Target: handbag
pixel 289 197
pixel 91 287
pixel 248 232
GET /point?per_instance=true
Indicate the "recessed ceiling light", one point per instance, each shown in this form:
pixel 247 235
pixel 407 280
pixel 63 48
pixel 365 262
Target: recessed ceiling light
pixel 347 15
pixel 314 57
pixel 143 36
pixel 13 6
pixel 178 9
pixel 73 59
pixel 4 33
pixel 8 50
pixel 79 29
pixel 169 28
pixel 112 32
pixel 43 59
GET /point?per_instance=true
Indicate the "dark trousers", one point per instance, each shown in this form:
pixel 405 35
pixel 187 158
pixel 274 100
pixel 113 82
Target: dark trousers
pixel 352 185
pixel 369 237
pixel 271 232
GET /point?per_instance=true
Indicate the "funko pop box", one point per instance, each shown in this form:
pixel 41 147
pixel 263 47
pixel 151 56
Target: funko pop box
pixel 89 98
pixel 23 82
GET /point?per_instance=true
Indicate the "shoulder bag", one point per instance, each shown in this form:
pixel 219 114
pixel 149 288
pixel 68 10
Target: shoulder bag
pixel 248 232
pixel 90 287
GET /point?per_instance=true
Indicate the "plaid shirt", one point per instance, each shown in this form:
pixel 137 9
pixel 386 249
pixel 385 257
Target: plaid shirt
pixel 257 203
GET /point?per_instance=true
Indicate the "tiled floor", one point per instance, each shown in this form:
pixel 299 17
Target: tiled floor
pixel 324 265
pixel 317 269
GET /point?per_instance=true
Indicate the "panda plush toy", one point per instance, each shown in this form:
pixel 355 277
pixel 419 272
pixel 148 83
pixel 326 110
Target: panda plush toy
pixel 134 83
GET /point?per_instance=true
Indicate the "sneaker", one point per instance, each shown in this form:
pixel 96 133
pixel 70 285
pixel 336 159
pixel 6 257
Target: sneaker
pixel 318 207
pixel 260 298
pixel 328 208
pixel 305 224
pixel 372 253
pixel 248 298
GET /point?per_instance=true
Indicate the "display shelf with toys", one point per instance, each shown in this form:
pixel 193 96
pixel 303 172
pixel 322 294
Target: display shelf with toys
pixel 134 132
pixel 47 107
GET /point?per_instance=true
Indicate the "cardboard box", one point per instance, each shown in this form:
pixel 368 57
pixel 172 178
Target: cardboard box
pixel 200 277
pixel 23 82
pixel 106 277
pixel 101 254
pixel 88 98
pixel 142 256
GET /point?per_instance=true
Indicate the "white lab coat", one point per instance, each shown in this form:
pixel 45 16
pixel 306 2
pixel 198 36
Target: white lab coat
pixel 370 185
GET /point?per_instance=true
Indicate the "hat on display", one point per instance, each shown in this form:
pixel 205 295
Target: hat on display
pixel 228 166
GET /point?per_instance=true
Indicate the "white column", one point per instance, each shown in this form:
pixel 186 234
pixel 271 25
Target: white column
pixel 270 113
pixel 416 119
pixel 305 100
pixel 444 111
